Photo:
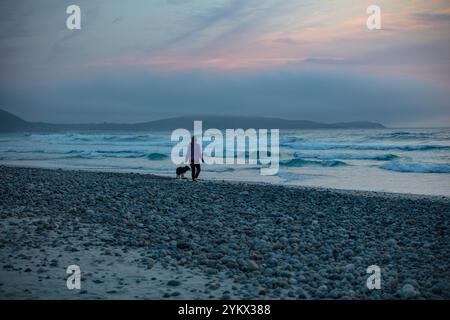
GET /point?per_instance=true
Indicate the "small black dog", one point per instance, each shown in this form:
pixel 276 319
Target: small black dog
pixel 181 171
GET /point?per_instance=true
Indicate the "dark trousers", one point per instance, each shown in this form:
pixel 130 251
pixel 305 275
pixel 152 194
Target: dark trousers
pixel 195 170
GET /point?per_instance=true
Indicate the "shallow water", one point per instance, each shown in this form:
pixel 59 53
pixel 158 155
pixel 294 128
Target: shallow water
pixel 392 160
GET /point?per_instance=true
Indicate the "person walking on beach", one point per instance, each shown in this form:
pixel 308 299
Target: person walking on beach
pixel 194 155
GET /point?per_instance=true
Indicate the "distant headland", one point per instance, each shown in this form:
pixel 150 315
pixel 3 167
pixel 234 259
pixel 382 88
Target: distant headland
pixel 12 123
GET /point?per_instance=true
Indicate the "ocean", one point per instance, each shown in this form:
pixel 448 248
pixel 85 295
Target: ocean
pixel 393 160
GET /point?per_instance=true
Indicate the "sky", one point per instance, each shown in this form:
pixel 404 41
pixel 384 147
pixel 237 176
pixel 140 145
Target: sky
pixel 141 60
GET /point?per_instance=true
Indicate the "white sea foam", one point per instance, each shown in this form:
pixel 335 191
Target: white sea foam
pixel 417 167
pixel 389 160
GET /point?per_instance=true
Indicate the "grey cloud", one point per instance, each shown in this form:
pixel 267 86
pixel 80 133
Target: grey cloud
pixel 433 17
pixel 211 17
pixel 130 97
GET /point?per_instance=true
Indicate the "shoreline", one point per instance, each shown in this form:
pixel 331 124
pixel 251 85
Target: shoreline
pixel 142 236
pixel 367 193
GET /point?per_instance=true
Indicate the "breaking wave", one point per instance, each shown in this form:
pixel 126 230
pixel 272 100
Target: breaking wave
pixel 347 156
pixel 302 163
pixel 418 167
pixel 367 147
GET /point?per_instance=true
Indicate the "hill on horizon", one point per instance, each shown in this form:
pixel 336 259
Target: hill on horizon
pixel 12 123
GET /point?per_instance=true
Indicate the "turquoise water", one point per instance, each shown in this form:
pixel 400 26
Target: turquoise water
pixel 393 160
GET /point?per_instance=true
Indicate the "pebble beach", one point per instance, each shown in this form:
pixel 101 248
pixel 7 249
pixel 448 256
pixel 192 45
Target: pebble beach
pixel 140 236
